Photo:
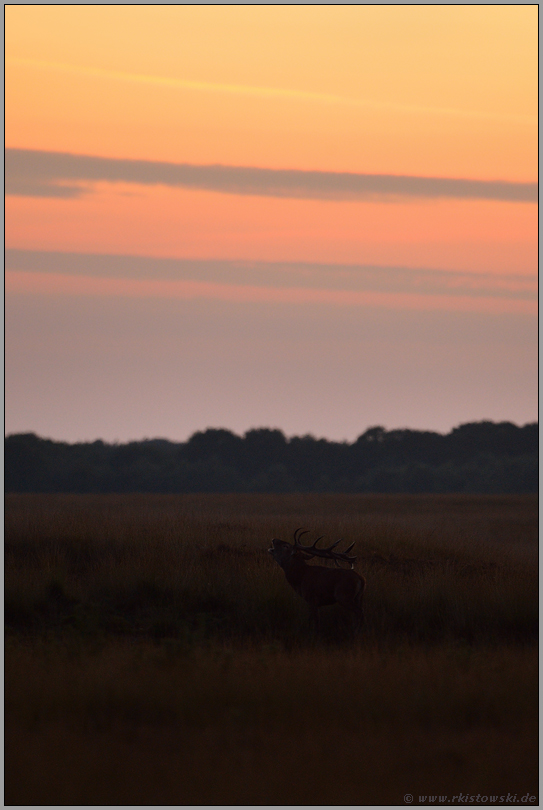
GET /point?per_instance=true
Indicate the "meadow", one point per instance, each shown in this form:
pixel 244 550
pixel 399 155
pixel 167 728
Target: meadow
pixel 155 653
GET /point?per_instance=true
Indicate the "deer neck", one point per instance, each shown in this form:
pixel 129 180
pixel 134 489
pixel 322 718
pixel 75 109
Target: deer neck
pixel 294 570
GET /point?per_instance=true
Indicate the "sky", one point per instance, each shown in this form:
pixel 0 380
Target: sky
pixel 312 218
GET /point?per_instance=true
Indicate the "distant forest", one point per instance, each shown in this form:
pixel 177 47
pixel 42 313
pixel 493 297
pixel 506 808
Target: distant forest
pixel 479 457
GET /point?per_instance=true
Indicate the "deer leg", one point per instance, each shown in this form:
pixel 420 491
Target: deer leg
pixel 315 617
pixel 358 619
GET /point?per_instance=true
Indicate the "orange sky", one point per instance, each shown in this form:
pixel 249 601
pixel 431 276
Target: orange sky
pixel 443 91
pixel 471 235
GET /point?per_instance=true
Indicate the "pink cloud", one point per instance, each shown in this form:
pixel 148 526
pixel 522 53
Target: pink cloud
pixel 23 282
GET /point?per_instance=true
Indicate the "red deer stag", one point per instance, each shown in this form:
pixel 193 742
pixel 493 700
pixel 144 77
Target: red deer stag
pixel 318 585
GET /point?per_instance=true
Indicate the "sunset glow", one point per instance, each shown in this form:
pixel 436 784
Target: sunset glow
pixel 349 137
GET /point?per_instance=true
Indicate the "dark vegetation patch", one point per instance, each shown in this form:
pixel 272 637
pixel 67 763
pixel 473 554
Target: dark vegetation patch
pixel 484 457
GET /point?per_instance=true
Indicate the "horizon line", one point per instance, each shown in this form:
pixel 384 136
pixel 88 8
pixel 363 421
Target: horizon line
pixel 288 438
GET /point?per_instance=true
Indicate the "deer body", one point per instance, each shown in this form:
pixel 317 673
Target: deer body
pixel 320 586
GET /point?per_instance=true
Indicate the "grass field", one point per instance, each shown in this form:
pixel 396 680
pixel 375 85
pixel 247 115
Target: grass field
pixel 156 655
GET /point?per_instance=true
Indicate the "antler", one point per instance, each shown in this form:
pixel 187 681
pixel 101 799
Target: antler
pixel 327 553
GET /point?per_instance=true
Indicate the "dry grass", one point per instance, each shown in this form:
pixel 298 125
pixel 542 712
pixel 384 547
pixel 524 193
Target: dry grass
pixel 156 655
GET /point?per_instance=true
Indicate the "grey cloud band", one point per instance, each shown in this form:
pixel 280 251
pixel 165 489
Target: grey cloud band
pixel 58 174
pixel 420 281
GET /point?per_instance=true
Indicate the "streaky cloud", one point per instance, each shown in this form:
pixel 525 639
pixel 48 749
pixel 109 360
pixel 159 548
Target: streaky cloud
pixel 263 92
pixel 278 275
pixel 59 174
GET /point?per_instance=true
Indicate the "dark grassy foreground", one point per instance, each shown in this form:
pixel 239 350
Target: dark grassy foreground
pixel 156 655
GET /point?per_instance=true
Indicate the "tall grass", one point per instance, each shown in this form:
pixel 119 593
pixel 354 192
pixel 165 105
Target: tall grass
pixel 172 566
pixel 156 655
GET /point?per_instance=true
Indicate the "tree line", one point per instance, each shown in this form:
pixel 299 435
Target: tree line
pixel 478 457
